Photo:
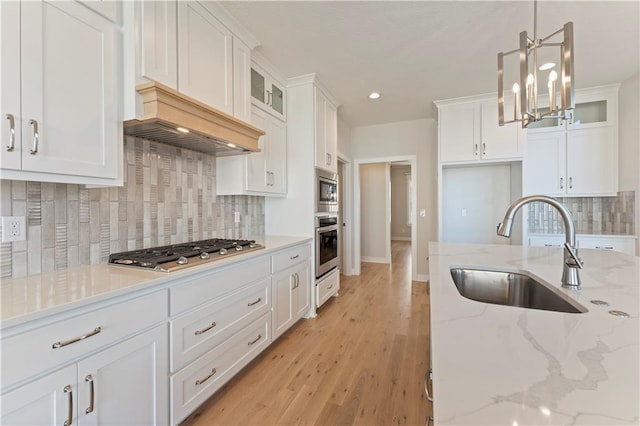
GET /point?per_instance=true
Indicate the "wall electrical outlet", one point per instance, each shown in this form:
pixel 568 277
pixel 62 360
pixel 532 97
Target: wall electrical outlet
pixel 13 228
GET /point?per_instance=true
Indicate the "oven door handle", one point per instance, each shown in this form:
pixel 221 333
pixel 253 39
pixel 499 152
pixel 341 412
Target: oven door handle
pixel 326 229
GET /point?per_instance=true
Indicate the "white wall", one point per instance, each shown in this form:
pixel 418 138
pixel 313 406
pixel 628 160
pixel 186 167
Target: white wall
pixel 415 137
pixel 475 199
pixel 374 197
pixel 629 141
pixel 399 228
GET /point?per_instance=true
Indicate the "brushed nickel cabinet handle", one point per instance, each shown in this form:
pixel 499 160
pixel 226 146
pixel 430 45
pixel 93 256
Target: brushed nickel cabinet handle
pixel 253 303
pixel 69 421
pixel 294 257
pixel 92 396
pixel 330 287
pixel 427 379
pixel 570 183
pixel 605 247
pixel 561 183
pixel 484 148
pixel 57 345
pixel 204 379
pixel 204 330
pixel 34 125
pixel 254 340
pixel 12 132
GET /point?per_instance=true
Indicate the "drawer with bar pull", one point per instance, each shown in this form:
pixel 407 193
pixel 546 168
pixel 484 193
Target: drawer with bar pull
pixel 287 258
pixel 198 331
pixel 192 385
pixel 32 352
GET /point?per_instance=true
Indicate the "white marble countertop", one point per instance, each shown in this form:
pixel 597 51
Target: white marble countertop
pixel 561 234
pixel 503 365
pixel 38 296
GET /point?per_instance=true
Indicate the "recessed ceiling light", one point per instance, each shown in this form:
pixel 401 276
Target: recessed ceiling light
pixel 182 129
pixel 374 95
pixel 546 66
pixel 230 145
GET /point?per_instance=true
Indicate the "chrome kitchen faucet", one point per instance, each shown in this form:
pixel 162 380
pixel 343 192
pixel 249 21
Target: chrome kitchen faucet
pixel 570 277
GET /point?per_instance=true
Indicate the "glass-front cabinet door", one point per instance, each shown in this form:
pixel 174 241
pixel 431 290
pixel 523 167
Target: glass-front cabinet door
pixel 267 93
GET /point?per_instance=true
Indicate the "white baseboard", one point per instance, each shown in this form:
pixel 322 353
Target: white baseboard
pixel 400 238
pixel 373 259
pixel 422 277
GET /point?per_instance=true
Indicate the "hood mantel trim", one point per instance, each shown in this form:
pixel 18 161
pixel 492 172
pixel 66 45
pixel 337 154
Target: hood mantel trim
pixel 210 130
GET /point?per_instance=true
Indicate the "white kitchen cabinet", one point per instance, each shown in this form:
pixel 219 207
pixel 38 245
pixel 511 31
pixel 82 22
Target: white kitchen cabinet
pixel 189 47
pixel 621 243
pixel 327 286
pixel 157 41
pixel 67 117
pixel 50 400
pixel 258 173
pixel 124 384
pixel 241 80
pixel 326 133
pixel 290 296
pixel 267 92
pixel 577 162
pixel 205 57
pixel 291 284
pixel 545 164
pixel 469 131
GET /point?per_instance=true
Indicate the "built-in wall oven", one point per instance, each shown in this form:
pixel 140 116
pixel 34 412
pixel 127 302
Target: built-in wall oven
pixel 326 244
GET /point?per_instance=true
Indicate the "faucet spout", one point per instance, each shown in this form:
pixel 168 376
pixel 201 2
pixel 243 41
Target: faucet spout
pixel 572 263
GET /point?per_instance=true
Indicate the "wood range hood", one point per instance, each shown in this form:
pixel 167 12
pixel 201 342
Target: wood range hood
pixel 175 119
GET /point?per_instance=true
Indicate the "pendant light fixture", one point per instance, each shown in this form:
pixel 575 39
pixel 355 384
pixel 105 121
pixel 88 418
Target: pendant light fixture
pixel 528 88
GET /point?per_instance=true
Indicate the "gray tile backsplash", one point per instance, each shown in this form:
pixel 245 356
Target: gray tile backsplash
pixel 168 197
pixel 591 215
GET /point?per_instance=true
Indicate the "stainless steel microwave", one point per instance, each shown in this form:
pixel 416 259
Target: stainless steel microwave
pixel 326 192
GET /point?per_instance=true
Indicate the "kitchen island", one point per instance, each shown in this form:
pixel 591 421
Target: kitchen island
pixel 505 365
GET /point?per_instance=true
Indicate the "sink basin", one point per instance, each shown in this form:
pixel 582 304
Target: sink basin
pixel 511 289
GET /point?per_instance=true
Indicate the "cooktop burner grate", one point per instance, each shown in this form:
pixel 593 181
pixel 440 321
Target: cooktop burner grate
pixel 166 258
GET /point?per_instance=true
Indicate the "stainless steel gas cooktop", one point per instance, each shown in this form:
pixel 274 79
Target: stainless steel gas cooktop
pixel 177 256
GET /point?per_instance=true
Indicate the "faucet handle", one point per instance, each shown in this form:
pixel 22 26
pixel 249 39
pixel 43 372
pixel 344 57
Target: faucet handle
pixel 575 261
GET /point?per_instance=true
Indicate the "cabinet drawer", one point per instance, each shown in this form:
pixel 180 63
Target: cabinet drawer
pixel 290 257
pixel 546 241
pixel 194 384
pixel 195 333
pixel 217 283
pixel 624 245
pixel 327 287
pixel 32 352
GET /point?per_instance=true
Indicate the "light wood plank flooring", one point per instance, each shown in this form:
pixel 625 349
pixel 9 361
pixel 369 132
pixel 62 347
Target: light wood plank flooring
pixel 361 361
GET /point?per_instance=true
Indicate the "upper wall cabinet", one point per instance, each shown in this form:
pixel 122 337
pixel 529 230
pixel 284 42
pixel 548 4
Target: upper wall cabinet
pixel 267 92
pixel 189 47
pixel 61 92
pixel 205 61
pixel 258 173
pixel 578 158
pixel 326 129
pixel 469 132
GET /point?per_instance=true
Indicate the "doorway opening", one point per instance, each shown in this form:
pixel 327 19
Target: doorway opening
pixel 373 210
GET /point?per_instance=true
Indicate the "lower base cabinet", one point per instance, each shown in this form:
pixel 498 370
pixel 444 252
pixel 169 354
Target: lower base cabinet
pixel 327 286
pixel 194 384
pixel 123 384
pixel 290 297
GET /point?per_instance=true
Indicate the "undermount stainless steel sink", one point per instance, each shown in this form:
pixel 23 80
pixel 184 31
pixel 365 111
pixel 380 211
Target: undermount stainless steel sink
pixel 512 289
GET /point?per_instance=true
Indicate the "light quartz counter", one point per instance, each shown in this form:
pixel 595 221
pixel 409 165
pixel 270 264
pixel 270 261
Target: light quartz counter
pixel 503 365
pixel 37 296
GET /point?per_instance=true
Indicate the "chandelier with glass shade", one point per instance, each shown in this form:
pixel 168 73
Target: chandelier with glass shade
pixel 540 90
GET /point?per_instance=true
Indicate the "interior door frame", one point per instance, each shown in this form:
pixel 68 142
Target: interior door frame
pixel 411 159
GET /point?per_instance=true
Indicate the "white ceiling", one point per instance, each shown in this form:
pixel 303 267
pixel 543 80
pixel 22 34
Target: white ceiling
pixel 415 52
